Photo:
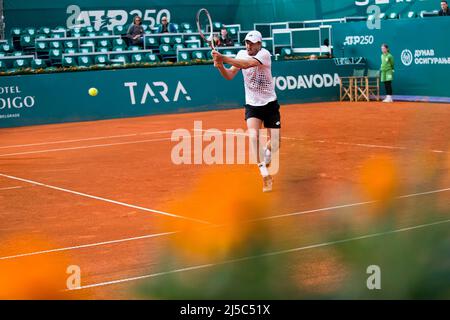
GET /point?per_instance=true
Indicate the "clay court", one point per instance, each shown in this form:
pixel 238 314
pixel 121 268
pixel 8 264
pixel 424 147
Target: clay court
pixel 98 194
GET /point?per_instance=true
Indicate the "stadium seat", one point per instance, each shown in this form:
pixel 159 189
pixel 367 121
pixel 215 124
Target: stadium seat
pixel 193 45
pixel 152 58
pixel 193 38
pixel 44 31
pixel 177 40
pixel 118 43
pixel 75 32
pixel 69 62
pixel 21 64
pixel 17 53
pixel 101 60
pixel 55 45
pixel 26 41
pixel 217 26
pixel 2 66
pixel 198 55
pixel 29 31
pixel 38 64
pixel 104 43
pixel 103 49
pixel 176 26
pixel 70 51
pixel 15 32
pixel 134 48
pixel 286 52
pixel 151 42
pixel 55 55
pixel 86 50
pixel 104 33
pixel 183 56
pixel 120 59
pixel 166 52
pixel 185 27
pixel 84 61
pixel 40 36
pixel 233 32
pixel 137 58
pixel 69 44
pixel 87 43
pixel 87 30
pixel 118 48
pixel 165 40
pixel 91 35
pixel 56 35
pixel 178 46
pixel 7 48
pixel 119 30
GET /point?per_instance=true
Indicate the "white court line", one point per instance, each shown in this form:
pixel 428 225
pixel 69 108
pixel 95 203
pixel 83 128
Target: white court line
pixel 155 235
pixel 349 205
pixel 88 147
pixel 85 139
pixel 266 218
pixel 10 188
pixel 269 254
pixel 364 145
pixel 102 199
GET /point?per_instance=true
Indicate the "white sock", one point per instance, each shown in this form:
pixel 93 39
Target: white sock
pixel 267 156
pixel 263 169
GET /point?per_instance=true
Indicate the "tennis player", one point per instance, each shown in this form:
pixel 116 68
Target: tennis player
pixel 261 106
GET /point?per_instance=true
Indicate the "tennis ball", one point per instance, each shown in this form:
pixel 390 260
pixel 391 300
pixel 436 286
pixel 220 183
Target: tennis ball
pixel 93 92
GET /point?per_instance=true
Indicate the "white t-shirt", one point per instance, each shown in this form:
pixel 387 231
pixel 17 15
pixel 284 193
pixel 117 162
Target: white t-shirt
pixel 258 81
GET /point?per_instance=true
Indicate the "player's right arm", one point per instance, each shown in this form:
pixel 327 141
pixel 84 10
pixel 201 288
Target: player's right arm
pixel 227 73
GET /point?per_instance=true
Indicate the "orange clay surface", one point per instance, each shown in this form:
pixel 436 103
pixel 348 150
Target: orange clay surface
pixel 75 186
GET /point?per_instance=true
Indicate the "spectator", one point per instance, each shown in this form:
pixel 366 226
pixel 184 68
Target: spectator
pixel 313 57
pixel 166 26
pixel 445 11
pixel 329 52
pixel 135 32
pixel 387 71
pixel 224 40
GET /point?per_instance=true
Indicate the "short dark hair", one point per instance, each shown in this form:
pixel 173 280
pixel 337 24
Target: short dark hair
pixel 386 46
pixel 445 1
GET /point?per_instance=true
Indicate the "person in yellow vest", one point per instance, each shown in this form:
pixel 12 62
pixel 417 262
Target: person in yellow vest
pixel 387 71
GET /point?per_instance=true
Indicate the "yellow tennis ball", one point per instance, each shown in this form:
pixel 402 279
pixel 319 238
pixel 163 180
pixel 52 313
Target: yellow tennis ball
pixel 93 92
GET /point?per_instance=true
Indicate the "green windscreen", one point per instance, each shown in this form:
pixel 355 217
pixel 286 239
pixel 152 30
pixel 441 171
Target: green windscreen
pixel 306 38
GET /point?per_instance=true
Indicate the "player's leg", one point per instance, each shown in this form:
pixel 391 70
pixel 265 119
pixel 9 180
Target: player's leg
pixel 254 125
pixel 272 121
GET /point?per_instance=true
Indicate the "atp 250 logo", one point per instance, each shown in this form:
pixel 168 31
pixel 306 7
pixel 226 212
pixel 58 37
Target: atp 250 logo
pixel 101 19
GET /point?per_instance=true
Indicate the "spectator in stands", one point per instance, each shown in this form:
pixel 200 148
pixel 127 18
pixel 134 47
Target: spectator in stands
pixel 329 52
pixel 445 11
pixel 166 26
pixel 387 71
pixel 135 33
pixel 313 57
pixel 224 40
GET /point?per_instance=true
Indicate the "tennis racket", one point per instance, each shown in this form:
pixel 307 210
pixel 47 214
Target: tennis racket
pixel 205 27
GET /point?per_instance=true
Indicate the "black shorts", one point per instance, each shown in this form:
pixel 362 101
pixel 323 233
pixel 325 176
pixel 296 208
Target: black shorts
pixel 269 114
